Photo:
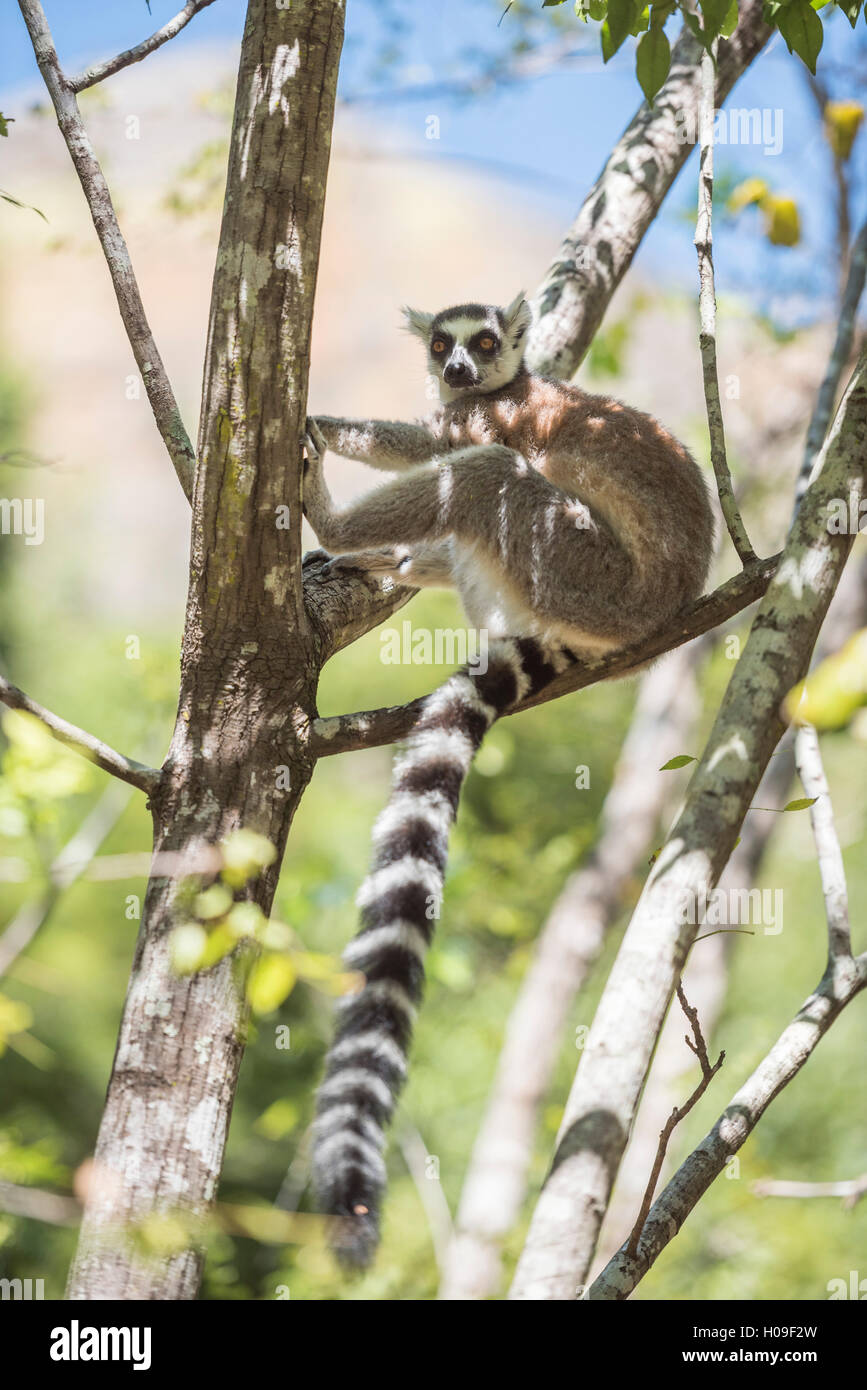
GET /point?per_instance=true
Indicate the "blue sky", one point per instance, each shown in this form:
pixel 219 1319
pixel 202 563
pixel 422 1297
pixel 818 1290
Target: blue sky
pixel 547 137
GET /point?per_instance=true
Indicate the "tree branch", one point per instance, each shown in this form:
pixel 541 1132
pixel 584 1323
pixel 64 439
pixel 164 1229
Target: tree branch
pixel 808 760
pixel 851 1190
pixel 137 774
pixel 96 192
pixel 110 66
pixel 708 1072
pixel 614 1064
pixel 796 1044
pixel 840 355
pixel 707 314
pixel 343 733
pixel 599 246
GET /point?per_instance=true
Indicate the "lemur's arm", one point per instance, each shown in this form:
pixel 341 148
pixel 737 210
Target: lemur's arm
pixel 387 444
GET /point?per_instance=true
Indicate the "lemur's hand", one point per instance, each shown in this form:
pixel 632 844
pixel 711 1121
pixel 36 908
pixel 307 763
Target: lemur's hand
pixel 313 444
pixel 316 557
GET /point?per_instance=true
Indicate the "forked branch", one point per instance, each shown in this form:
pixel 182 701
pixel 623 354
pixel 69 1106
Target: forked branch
pixel 99 71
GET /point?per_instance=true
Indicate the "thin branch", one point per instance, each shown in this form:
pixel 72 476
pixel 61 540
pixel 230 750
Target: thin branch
pixel 820 95
pixel 67 866
pixel 840 984
pixel 430 1192
pixel 840 354
pixel 708 1072
pixel 707 313
pixel 851 1190
pixel 99 71
pixel 344 732
pixel 96 192
pixel 137 774
pixel 808 760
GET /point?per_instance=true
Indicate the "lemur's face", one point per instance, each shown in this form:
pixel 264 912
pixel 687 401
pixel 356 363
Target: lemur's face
pixel 474 348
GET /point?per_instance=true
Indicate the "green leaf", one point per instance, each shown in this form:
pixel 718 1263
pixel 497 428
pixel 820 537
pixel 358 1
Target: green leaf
pixel 802 29
pixel 714 14
pixel 652 62
pixel 5 121
pixel 800 803
pixel 692 23
pixel 621 16
pixel 682 760
pixel 730 23
pixel 28 207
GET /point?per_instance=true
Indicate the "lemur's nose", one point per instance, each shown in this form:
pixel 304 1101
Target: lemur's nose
pixel 455 373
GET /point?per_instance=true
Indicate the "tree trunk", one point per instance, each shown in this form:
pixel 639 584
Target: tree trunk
pixel 250 658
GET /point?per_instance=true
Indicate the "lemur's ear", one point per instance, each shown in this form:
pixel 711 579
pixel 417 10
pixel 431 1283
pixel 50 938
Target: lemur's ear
pixel 518 316
pixel 417 322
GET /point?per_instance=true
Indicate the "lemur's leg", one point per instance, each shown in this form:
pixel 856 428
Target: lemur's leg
pixel 427 565
pixel 387 444
pixel 565 560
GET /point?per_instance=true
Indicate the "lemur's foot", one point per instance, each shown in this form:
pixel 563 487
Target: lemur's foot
pixel 381 562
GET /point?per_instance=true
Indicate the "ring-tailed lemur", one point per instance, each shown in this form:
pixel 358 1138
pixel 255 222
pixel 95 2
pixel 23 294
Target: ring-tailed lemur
pixel 571 525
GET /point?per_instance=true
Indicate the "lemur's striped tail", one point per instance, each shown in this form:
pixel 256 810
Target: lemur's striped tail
pixel 399 903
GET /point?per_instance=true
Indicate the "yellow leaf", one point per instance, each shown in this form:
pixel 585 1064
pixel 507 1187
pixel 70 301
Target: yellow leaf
pixel 782 220
pixel 842 122
pixel 749 192
pixel 271 980
pixel 187 948
pixel 833 692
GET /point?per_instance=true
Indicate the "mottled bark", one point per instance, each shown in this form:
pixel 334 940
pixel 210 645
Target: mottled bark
pixel 250 657
pixel 613 1068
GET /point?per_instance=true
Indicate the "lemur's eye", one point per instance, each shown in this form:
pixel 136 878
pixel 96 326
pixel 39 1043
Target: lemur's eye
pixel 438 345
pixel 487 343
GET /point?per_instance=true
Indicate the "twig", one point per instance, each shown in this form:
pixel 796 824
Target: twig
pixel 840 354
pixel 707 314
pixel 429 1189
pixel 99 71
pixel 68 865
pixel 808 760
pixel 137 774
pixel 708 1072
pixel 851 1190
pixel 96 192
pixel 369 729
pixel 796 1044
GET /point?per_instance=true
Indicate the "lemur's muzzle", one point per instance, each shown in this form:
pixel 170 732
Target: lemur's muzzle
pixel 459 370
